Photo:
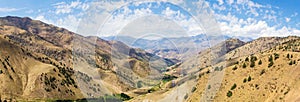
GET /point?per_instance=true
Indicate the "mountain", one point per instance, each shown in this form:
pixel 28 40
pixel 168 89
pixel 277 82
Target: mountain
pixel 265 69
pixel 261 70
pixel 42 61
pixel 174 48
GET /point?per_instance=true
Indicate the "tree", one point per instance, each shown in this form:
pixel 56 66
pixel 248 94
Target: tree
pixel 271 58
pixel 234 68
pixel 253 58
pixel 229 94
pixel 291 63
pixel 249 78
pixel 245 80
pixel 244 65
pixel 262 72
pixel 247 59
pixel 276 56
pixel 252 64
pixel 259 62
pixel 233 86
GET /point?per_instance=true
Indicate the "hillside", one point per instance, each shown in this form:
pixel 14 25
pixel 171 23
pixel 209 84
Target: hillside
pixel 217 74
pixel 267 74
pixel 41 61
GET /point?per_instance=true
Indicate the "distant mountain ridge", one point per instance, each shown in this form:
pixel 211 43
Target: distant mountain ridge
pixel 174 48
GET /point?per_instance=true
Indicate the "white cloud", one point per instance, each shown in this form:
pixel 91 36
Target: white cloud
pixel 64 8
pixel 8 9
pixel 233 26
pixel 230 2
pixel 287 19
pixel 294 15
pixel 220 2
pixel 219 7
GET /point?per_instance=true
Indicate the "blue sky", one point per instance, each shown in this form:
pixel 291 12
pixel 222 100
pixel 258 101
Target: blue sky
pixel 249 18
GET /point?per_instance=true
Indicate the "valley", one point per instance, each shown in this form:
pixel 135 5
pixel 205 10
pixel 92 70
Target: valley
pixel 42 62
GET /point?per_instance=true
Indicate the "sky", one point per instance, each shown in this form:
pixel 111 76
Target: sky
pixel 163 18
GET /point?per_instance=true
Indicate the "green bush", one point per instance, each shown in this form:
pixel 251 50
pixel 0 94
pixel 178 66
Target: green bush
pixel 244 65
pixel 229 94
pixel 245 80
pixel 252 64
pixel 259 62
pixel 233 87
pixel 193 89
pixel 276 56
pixel 123 96
pixel 234 68
pixel 249 78
pixel 262 72
pixel 271 58
pixel 253 58
pixel 270 64
pixel 291 63
pixel 247 59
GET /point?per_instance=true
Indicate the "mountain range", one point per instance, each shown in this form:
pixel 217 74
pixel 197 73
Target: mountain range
pixel 42 62
pixel 178 48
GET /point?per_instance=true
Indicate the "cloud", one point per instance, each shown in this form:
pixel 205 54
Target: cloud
pixel 64 8
pixel 96 19
pixel 287 19
pixel 250 27
pixel 9 9
pixel 220 2
pixel 230 2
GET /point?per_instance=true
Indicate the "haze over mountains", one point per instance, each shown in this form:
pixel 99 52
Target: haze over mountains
pixel 175 48
pixel 40 62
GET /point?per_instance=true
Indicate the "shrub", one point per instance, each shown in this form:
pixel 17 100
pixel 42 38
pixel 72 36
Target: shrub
pixel 291 63
pixel 247 59
pixel 234 68
pixel 244 65
pixel 208 87
pixel 233 87
pixel 245 80
pixel 262 72
pixel 259 62
pixel 270 64
pixel 271 58
pixel 229 94
pixel 253 58
pixel 249 78
pixel 276 56
pixel 193 89
pixel 252 64
pixel 125 97
pixel 1 71
pixel 288 55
